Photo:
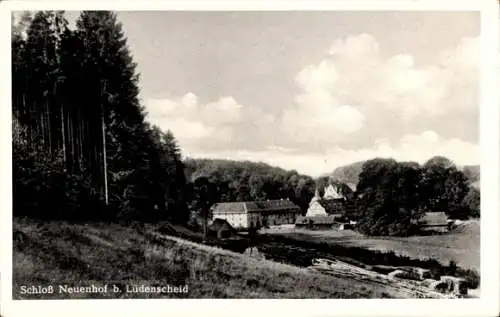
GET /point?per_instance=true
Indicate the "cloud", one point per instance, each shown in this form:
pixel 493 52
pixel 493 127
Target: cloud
pixel 355 90
pixel 415 147
pixel 356 103
pixel 221 124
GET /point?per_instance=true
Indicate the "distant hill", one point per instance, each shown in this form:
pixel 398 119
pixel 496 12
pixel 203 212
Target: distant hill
pixel 201 167
pixel 251 181
pixel 473 173
pixel 350 173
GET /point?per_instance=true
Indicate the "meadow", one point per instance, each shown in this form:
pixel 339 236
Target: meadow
pixel 461 246
pixel 55 252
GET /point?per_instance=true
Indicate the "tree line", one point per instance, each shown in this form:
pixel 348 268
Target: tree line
pixel 392 196
pixel 211 181
pixel 81 146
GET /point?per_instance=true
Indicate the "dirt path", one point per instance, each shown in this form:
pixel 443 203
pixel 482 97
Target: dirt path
pixel 397 290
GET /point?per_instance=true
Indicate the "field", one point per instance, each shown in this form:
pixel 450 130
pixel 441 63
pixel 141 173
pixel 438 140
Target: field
pixel 462 246
pixel 57 253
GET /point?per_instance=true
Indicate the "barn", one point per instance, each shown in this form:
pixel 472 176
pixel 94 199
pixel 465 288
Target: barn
pixel 332 221
pixel 221 229
pixel 434 221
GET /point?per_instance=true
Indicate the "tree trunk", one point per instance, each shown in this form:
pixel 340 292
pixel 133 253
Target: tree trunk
pixel 205 224
pixel 80 140
pixel 103 126
pixel 48 126
pixel 69 139
pixel 63 135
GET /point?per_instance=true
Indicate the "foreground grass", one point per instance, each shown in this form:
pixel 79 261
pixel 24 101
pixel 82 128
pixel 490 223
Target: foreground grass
pixel 58 253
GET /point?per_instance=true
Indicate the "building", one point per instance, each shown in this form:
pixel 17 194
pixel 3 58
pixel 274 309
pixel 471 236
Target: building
pixel 278 212
pixel 328 212
pixel 332 203
pixel 332 193
pixel 256 214
pixel 319 222
pixel 221 229
pixel 315 207
pixel 434 221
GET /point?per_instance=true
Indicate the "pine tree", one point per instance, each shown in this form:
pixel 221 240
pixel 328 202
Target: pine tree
pixel 111 102
pixel 66 83
pixel 41 68
pixel 143 165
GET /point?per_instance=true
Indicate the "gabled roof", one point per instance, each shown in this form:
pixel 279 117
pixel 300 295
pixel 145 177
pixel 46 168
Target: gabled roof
pixel 220 224
pixel 284 204
pixel 251 206
pixel 331 192
pixel 352 186
pixel 231 207
pixel 254 206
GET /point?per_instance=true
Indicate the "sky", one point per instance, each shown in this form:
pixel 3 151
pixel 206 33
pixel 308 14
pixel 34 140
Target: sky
pixel 311 91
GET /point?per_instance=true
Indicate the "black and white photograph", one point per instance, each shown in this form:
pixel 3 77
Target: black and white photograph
pixel 247 154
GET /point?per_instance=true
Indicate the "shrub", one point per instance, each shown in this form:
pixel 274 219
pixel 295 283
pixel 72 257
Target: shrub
pixel 471 277
pixel 472 201
pixel 53 193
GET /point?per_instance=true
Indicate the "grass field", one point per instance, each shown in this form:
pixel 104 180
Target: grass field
pixel 56 253
pixel 462 246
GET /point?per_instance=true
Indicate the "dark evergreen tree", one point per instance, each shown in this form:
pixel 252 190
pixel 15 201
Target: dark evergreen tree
pixel 80 128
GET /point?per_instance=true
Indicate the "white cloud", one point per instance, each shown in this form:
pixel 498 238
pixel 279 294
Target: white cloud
pixel 203 126
pixel 416 147
pixel 356 73
pixel 317 114
pixel 356 93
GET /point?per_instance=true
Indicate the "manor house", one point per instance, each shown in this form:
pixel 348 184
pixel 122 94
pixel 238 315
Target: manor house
pixel 256 214
pixel 332 203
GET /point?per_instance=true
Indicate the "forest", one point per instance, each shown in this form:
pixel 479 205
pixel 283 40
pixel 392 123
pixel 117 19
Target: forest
pixel 81 146
pixel 82 149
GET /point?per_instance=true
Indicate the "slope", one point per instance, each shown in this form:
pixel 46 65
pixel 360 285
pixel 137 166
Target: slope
pixel 59 253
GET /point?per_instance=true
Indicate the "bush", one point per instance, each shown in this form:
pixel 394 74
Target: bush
pixel 53 193
pixel 193 224
pixel 472 277
pixel 472 202
pixel 37 174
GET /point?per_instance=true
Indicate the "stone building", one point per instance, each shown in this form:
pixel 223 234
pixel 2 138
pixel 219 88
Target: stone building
pixel 327 212
pixel 315 207
pixel 331 203
pixel 221 229
pixel 256 214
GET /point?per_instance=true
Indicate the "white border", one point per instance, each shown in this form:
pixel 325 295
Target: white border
pixel 489 140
